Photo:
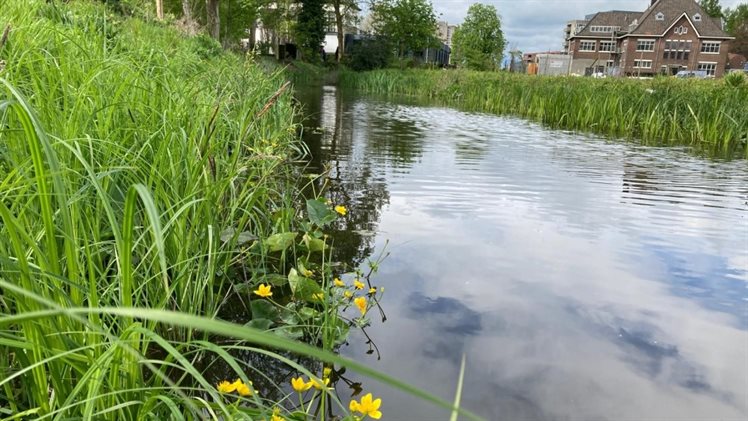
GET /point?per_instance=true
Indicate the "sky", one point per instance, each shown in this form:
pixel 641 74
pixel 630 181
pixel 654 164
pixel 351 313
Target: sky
pixel 537 25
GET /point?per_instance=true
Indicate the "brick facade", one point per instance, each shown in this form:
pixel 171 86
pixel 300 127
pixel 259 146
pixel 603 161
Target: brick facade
pixel 670 36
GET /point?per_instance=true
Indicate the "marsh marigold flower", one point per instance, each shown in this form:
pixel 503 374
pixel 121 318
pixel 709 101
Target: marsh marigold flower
pixel 361 304
pixel 372 290
pixel 317 385
pixel 276 417
pixel 226 387
pixel 368 406
pixel 263 291
pixel 300 385
pixel 358 284
pixel 348 294
pixel 341 210
pixel 338 282
pixel 244 390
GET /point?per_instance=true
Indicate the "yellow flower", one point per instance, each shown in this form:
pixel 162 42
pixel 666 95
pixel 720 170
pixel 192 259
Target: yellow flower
pixel 372 290
pixel 358 284
pixel 300 385
pixel 361 304
pixel 318 296
pixel 277 418
pixel 341 210
pixel 226 387
pixel 307 273
pixel 317 385
pixel 326 372
pixel 348 294
pixel 338 282
pixel 368 406
pixel 244 390
pixel 263 291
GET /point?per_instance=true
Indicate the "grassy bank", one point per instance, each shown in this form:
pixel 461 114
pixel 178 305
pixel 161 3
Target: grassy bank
pixel 708 115
pixel 144 194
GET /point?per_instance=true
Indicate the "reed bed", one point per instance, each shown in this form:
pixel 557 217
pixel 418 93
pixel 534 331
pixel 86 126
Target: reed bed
pixel 707 115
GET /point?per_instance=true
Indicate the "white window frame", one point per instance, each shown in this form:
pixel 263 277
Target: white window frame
pixel 604 28
pixel 638 41
pixel 712 43
pixel 697 17
pixel 582 43
pixel 642 64
pixel 612 48
pixel 709 66
pixel 681 30
pixel 660 16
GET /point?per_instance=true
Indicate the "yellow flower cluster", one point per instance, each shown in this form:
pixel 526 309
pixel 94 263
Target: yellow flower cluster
pixel 238 386
pixel 301 386
pixel 341 210
pixel 368 406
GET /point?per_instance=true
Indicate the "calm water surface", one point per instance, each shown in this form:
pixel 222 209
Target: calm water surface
pixel 583 279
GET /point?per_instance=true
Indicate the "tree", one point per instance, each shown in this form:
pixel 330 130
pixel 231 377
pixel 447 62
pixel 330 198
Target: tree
pixel 160 9
pixel 310 29
pixel 214 19
pixel 736 24
pixel 711 7
pixel 343 10
pixel 409 24
pixel 479 42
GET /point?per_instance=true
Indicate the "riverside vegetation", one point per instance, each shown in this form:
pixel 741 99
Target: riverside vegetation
pixel 708 115
pixel 146 196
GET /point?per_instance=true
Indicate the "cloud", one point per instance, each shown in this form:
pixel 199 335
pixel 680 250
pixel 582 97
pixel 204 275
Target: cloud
pixel 537 25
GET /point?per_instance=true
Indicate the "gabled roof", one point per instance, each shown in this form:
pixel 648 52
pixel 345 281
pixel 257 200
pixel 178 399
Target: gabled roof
pixel 620 18
pixel 673 10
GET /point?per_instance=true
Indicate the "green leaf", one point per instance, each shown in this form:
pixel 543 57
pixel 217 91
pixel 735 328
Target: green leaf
pixel 274 279
pixel 260 324
pixel 314 244
pixel 303 288
pixel 319 212
pixel 289 332
pixel 280 241
pixel 263 309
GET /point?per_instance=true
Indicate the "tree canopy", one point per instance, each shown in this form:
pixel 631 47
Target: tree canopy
pixel 711 7
pixel 479 42
pixel 736 24
pixel 409 24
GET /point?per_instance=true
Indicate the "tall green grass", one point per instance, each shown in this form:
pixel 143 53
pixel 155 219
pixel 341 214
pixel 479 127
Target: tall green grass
pixel 135 164
pixel 708 115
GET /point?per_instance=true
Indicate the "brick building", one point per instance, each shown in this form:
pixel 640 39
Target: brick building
pixel 670 36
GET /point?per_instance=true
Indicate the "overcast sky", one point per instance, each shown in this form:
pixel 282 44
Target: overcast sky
pixel 537 25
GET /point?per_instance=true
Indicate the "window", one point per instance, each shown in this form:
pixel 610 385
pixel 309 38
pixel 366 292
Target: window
pixel 600 28
pixel 660 16
pixel 710 47
pixel 708 67
pixel 681 30
pixel 642 64
pixel 609 46
pixel 587 46
pixel 609 63
pixel 697 18
pixel 645 45
pixel 677 49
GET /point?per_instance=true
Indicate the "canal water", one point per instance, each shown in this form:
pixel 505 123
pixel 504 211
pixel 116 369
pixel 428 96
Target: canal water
pixel 582 278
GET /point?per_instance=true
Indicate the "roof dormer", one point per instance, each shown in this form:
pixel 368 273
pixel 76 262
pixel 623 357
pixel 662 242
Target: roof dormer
pixel 697 17
pixel 660 16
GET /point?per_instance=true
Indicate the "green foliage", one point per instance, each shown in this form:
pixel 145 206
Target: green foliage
pixel 369 54
pixel 711 7
pixel 310 29
pixel 479 41
pixel 704 114
pixel 735 79
pixel 410 25
pixel 736 24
